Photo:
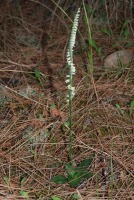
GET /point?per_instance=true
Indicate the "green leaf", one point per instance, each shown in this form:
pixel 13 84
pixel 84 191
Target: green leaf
pixel 120 109
pixel 70 170
pixel 66 124
pixel 83 174
pixel 85 163
pixel 106 31
pixel 60 179
pixel 92 43
pixel 118 106
pixel 77 174
pixel 6 180
pixel 126 33
pixel 38 76
pixel 76 196
pixel 23 180
pixel 125 23
pixel 24 194
pixel 55 197
pixel 78 177
pixel 52 106
pixel 87 175
pixel 74 181
pixel 131 106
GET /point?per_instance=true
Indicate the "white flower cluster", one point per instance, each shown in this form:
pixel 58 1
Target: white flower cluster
pixel 71 89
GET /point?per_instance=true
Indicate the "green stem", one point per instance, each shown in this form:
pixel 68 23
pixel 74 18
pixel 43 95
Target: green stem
pixel 70 131
pixel 70 121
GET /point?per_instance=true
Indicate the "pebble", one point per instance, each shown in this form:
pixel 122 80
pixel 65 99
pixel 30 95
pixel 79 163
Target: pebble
pixel 119 58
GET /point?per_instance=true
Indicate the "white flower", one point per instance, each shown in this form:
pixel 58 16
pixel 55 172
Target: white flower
pixel 67 81
pixel 73 69
pixel 70 57
pixel 71 88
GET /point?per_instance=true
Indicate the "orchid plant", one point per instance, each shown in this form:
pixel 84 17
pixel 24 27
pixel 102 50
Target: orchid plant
pixel 75 174
pixel 69 80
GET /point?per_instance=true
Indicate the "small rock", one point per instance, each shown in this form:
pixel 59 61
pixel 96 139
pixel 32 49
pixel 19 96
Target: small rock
pixel 117 58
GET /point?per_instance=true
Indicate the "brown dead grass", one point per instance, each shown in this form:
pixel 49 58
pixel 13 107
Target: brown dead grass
pixel 33 143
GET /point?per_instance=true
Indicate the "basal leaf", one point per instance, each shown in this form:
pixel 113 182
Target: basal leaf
pixel 78 177
pixel 83 174
pixel 70 170
pixel 85 163
pixel 87 175
pixel 74 181
pixel 60 179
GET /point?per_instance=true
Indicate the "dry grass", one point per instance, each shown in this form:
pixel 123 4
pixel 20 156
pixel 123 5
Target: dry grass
pixel 35 145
